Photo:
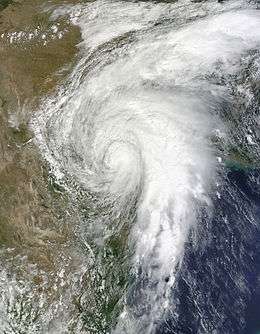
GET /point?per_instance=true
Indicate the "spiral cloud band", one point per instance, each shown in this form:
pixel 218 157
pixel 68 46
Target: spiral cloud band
pixel 135 123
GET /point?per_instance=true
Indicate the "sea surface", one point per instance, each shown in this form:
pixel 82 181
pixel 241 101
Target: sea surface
pixel 153 135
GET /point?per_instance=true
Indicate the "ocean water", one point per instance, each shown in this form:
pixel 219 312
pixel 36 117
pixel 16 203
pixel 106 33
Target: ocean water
pixel 158 126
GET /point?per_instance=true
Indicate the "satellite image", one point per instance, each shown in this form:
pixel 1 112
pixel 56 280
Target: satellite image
pixel 129 167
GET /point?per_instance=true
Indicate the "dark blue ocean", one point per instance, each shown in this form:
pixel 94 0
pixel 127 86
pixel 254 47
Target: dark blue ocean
pixel 218 288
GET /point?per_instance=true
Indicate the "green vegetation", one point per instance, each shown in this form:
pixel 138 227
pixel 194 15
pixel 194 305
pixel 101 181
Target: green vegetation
pixel 5 3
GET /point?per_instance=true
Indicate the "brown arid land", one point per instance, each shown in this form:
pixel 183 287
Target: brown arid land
pixel 36 237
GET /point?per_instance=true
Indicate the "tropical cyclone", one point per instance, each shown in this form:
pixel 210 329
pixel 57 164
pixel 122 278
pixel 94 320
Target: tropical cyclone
pixel 135 126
